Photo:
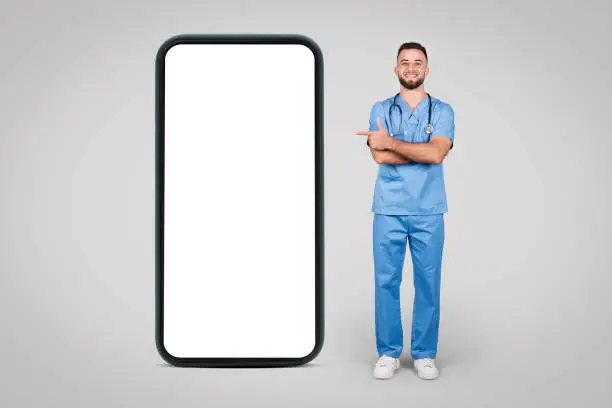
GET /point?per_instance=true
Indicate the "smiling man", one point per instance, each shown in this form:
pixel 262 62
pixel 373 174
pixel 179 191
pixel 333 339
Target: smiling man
pixel 409 137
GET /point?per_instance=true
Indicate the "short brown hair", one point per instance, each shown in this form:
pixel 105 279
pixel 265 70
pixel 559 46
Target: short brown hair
pixel 412 46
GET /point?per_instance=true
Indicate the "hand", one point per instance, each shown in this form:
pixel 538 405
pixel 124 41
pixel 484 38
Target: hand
pixel 378 139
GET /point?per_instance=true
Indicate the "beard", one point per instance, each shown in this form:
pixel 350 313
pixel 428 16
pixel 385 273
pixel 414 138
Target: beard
pixel 413 84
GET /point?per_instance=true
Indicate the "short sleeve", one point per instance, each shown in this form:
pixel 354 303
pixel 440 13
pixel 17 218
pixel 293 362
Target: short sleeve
pixel 375 113
pixel 445 125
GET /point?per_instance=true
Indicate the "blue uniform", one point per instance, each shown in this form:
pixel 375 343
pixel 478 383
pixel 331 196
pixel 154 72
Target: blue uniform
pixel 409 205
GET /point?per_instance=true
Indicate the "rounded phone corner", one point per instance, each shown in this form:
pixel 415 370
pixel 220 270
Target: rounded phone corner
pixel 312 355
pixel 310 44
pixel 167 45
pixel 165 354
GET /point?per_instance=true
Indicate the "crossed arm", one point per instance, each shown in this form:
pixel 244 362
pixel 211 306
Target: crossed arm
pixel 388 157
pixel 400 152
pixel 388 150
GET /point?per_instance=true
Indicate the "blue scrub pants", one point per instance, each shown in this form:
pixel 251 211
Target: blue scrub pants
pixel 424 234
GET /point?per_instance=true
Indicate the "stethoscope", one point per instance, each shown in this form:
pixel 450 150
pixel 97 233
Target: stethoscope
pixel 428 127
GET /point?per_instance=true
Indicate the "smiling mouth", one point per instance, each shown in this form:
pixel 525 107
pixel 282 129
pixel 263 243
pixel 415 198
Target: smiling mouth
pixel 411 76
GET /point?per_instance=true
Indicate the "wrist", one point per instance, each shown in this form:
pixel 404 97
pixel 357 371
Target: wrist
pixel 393 144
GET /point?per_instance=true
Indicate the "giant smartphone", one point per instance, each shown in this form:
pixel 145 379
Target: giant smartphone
pixel 239 200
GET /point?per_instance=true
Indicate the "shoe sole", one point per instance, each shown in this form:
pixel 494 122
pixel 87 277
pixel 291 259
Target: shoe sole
pixel 385 378
pixel 428 378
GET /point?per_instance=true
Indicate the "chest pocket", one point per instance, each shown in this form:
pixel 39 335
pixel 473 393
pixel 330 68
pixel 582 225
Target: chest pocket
pixel 413 132
pixel 420 135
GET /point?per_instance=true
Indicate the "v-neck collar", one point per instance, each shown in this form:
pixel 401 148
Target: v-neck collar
pixel 423 103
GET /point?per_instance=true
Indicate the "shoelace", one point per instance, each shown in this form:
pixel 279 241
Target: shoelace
pixel 428 362
pixel 383 361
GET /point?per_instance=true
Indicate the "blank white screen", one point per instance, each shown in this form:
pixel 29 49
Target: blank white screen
pixel 239 200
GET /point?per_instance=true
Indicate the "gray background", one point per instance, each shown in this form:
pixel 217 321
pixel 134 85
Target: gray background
pixel 526 317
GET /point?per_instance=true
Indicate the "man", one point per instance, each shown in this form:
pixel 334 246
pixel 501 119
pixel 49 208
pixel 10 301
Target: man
pixel 409 205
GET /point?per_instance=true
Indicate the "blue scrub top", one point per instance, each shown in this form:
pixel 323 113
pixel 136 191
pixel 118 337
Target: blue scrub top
pixel 413 188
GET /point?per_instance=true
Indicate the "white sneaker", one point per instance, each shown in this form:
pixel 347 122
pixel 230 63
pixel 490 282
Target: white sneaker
pixel 385 367
pixel 426 368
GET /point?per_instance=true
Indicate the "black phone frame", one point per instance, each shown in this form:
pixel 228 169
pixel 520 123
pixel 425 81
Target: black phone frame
pixel 159 198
